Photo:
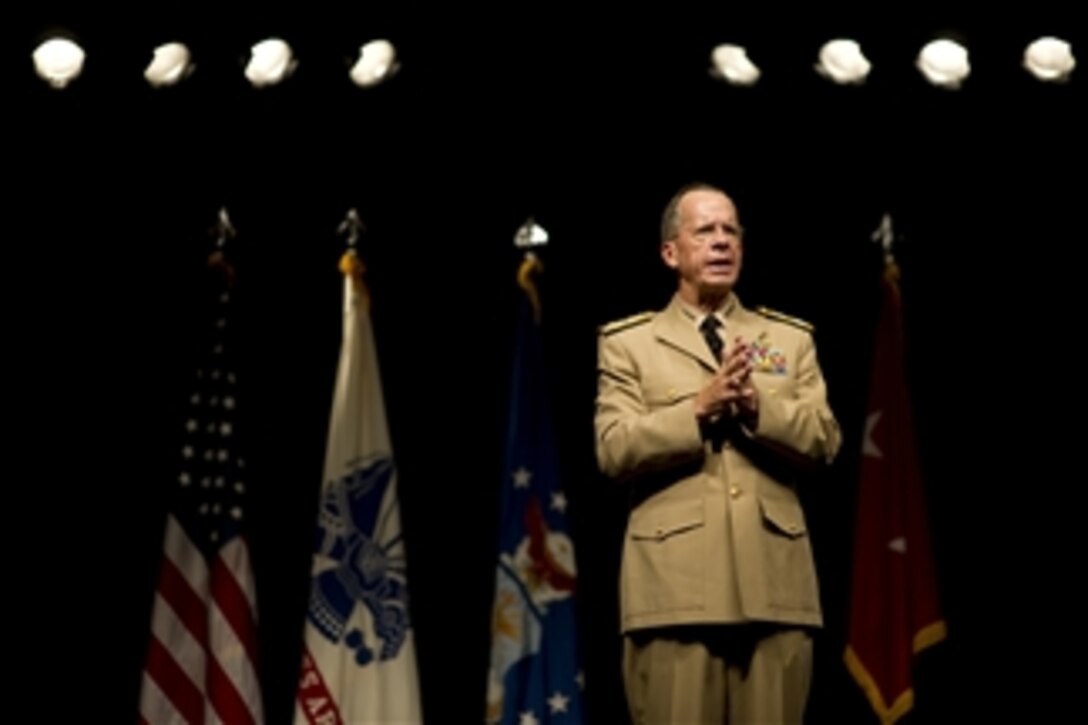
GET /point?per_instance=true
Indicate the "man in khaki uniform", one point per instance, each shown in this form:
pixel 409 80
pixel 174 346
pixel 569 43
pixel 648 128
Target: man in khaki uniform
pixel 709 412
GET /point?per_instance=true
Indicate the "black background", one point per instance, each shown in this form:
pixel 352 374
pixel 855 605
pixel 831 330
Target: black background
pixel 588 120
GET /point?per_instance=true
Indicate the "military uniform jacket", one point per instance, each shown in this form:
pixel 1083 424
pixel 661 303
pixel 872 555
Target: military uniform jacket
pixel 715 532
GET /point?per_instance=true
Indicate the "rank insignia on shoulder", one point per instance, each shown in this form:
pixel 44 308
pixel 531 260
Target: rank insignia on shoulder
pixel 781 317
pixel 625 323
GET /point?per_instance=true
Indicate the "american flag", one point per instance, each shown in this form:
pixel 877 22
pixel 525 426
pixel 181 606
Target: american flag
pixel 201 660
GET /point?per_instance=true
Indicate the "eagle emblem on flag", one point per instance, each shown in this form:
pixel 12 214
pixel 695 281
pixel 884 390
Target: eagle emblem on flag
pixel 354 535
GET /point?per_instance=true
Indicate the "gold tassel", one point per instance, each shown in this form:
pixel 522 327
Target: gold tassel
pixel 217 262
pixel 529 265
pixel 352 266
pixel 891 274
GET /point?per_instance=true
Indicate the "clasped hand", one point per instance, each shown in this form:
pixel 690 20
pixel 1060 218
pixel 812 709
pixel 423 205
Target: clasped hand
pixel 730 392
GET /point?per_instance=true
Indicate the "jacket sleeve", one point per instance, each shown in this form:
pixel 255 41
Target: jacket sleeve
pixel 636 435
pixel 799 423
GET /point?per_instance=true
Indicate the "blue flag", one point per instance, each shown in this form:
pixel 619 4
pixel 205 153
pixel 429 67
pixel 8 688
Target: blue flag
pixel 535 674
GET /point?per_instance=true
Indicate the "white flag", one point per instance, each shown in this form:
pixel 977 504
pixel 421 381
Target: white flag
pixel 359 662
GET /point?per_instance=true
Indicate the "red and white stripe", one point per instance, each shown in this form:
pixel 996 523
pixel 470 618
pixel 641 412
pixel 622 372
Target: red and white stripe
pixel 201 659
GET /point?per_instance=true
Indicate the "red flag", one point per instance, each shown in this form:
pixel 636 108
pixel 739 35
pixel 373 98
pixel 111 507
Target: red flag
pixel 894 608
pixel 201 660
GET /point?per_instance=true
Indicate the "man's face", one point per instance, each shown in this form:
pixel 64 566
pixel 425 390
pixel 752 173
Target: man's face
pixel 706 251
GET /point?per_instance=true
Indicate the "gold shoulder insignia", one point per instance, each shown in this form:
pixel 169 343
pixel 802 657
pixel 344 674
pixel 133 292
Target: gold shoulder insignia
pixel 626 322
pixel 776 315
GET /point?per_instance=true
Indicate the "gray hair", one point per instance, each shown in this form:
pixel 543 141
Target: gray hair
pixel 670 219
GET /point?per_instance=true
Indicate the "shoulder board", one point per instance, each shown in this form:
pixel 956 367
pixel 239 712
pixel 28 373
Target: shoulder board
pixel 626 322
pixel 776 315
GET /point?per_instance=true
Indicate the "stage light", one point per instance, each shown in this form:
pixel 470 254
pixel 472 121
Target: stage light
pixel 944 63
pixel 59 61
pixel 377 62
pixel 731 63
pixel 530 234
pixel 271 61
pixel 843 62
pixel 171 63
pixel 1050 59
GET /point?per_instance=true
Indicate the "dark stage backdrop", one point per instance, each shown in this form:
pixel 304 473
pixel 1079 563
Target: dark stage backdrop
pixel 588 123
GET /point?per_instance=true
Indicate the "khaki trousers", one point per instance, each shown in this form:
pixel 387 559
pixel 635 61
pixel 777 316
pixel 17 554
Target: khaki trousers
pixel 736 674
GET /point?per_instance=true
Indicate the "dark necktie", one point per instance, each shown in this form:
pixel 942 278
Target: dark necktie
pixel 710 334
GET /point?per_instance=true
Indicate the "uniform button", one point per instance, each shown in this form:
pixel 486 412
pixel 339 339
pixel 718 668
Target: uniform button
pixel 659 531
pixel 734 491
pixel 772 391
pixel 672 392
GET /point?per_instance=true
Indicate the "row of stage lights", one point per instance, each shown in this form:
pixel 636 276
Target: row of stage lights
pixel 59 61
pixel 943 62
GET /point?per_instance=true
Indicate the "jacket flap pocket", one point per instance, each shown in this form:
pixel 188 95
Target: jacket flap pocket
pixel 661 522
pixel 784 516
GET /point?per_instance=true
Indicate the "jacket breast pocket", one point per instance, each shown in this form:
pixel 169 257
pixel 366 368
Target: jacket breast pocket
pixel 664 554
